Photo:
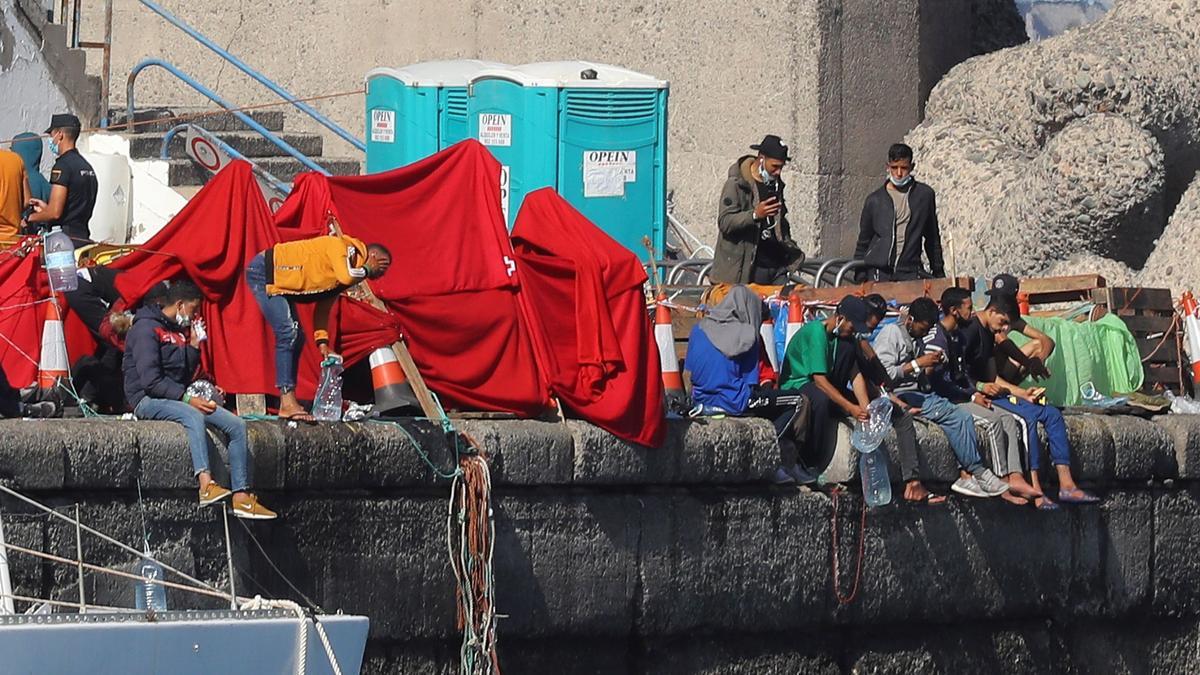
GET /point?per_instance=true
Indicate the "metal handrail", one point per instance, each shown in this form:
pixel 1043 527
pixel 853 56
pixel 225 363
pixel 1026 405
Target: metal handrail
pixel 254 74
pixel 853 264
pixel 824 266
pixel 678 269
pixel 215 98
pixel 164 153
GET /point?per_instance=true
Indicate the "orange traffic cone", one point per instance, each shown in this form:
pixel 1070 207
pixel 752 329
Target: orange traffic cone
pixel 1023 303
pixel 1191 324
pixel 53 365
pixel 795 318
pixel 392 390
pixel 665 338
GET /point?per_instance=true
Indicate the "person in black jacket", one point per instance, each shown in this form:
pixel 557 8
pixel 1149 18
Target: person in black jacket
pixel 899 220
pixel 160 362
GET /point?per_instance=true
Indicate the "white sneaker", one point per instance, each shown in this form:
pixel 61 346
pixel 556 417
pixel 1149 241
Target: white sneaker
pixel 989 483
pixel 968 486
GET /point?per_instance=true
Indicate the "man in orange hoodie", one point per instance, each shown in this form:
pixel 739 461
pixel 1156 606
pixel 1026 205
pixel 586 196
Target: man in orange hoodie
pixel 308 270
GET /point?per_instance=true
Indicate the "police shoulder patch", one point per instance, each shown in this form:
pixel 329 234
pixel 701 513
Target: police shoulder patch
pixel 728 201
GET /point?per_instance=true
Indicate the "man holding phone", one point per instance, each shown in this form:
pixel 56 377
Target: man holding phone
pixel 754 241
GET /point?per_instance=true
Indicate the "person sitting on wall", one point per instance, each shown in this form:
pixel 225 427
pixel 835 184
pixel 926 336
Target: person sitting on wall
pixel 1013 363
pixel 724 357
pixel 12 406
pixel 308 270
pixel 161 360
pixel 978 339
pixel 899 347
pixel 754 240
pixel 898 221
pixel 950 380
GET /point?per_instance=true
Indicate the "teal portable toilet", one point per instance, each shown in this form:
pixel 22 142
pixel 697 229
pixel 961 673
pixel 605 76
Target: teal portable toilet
pixel 612 147
pixel 595 133
pixel 415 111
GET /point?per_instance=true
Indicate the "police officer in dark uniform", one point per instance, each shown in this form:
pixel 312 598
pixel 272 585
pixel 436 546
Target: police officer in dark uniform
pixel 72 183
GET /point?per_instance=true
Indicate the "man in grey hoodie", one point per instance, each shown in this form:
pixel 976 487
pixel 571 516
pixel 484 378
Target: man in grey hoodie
pixel 898 349
pixel 754 241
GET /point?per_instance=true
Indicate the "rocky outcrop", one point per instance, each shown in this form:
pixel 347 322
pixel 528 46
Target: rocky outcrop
pixel 1081 144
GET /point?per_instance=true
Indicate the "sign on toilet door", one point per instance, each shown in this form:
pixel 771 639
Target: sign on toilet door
pixel 495 129
pixel 505 190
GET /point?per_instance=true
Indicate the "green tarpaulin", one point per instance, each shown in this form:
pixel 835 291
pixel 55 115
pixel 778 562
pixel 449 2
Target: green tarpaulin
pixel 1101 352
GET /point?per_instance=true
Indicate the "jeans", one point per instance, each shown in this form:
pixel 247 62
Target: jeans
pixel 194 422
pixel 956 422
pixel 1052 420
pixel 278 312
pixel 1004 433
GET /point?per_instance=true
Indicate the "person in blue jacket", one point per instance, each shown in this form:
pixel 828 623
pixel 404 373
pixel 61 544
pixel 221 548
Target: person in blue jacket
pixel 29 146
pixel 161 359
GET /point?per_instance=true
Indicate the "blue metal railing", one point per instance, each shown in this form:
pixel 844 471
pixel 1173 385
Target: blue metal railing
pixel 257 76
pixel 164 153
pixel 215 98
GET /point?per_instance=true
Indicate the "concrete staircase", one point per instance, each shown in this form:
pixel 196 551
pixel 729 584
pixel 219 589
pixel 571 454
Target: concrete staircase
pixel 152 124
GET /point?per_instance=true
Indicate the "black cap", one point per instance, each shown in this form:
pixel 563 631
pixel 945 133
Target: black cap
pixel 856 310
pixel 772 147
pixel 61 121
pixel 1004 284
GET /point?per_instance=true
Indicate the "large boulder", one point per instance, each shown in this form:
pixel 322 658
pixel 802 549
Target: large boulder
pixel 1077 146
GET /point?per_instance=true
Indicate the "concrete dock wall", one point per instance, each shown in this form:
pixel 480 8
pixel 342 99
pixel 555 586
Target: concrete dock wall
pixel 611 558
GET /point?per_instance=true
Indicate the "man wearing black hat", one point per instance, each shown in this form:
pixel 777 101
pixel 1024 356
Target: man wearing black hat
pixel 899 220
pixel 1013 363
pixel 73 184
pixel 754 241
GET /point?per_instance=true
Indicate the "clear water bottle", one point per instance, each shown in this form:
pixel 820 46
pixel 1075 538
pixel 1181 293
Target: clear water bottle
pixel 328 405
pixel 151 596
pixel 876 483
pixel 60 261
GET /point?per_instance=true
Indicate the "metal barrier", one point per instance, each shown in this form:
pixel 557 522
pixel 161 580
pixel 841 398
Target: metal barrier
pixel 228 149
pixel 215 98
pixel 254 74
pixel 677 271
pixel 820 275
pixel 852 265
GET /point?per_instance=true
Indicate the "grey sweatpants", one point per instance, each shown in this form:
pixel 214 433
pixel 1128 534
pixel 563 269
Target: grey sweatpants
pixel 1003 431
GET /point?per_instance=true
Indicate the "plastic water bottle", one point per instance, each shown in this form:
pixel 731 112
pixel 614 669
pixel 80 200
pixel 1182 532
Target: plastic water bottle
pixel 328 405
pixel 151 596
pixel 866 437
pixel 60 260
pixel 1182 405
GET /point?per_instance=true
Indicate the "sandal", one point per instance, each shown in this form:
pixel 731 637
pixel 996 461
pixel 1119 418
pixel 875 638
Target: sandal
pixel 1045 504
pixel 929 499
pixel 1076 496
pixel 302 417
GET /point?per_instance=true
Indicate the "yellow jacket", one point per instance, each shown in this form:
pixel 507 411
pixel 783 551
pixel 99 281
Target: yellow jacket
pixel 315 265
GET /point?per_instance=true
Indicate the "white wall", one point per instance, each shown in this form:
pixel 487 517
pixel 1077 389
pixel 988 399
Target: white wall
pixel 27 95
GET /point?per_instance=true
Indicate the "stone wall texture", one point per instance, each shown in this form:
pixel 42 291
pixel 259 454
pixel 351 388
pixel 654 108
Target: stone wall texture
pixel 1075 152
pixel 611 558
pixel 840 80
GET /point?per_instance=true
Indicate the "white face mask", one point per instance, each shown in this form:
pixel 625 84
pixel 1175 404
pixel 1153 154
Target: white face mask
pixel 901 182
pixel 763 173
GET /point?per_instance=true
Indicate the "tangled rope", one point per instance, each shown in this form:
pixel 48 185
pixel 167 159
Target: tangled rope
pixel 258 603
pixel 470 540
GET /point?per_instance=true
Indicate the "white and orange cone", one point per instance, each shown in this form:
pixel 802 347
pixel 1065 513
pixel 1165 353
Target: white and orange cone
pixel 795 319
pixel 768 340
pixel 664 336
pixel 392 389
pixel 53 365
pixel 1191 324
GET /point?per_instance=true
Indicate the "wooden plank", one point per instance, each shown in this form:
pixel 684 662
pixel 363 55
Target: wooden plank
pixel 251 404
pixel 903 292
pixel 1167 353
pixel 1078 283
pixel 1147 324
pixel 1121 299
pixel 1163 374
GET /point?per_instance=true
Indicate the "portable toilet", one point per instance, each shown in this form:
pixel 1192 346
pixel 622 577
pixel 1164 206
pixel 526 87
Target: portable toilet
pixel 595 133
pixel 415 111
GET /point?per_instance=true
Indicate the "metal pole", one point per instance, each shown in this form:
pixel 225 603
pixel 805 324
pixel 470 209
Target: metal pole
pixel 79 561
pixel 106 67
pixel 6 602
pixel 229 558
pixel 75 25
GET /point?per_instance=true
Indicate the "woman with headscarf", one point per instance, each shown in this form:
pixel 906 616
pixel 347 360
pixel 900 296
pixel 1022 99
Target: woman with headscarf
pixel 29 146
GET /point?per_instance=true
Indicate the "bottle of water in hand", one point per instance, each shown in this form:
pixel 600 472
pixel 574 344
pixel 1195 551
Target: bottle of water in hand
pixel 60 260
pixel 872 464
pixel 327 407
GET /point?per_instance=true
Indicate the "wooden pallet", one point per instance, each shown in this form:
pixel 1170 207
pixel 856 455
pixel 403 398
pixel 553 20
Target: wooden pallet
pixel 1150 315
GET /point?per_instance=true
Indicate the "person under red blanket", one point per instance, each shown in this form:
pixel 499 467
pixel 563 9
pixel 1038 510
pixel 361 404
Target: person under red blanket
pixel 307 270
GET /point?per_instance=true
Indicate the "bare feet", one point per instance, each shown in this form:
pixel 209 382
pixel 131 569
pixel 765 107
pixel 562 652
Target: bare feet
pixel 1019 487
pixel 914 491
pixel 290 408
pixel 1014 499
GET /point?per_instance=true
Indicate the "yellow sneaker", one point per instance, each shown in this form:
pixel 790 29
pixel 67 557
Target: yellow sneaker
pixel 252 510
pixel 212 493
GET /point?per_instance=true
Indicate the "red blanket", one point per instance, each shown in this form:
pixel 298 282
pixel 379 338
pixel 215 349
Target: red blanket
pixel 583 292
pixel 451 285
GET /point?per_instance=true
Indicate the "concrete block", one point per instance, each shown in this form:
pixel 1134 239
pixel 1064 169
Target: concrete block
pixel 33 453
pixel 363 453
pixel 739 654
pixel 1142 449
pixel 745 563
pixel 524 452
pixel 936 461
pixel 165 463
pixel 1177 553
pixel 1185 435
pixel 100 452
pixel 1093 454
pixel 709 451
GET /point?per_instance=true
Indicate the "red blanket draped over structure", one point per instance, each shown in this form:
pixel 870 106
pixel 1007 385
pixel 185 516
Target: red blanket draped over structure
pixel 583 292
pixel 451 285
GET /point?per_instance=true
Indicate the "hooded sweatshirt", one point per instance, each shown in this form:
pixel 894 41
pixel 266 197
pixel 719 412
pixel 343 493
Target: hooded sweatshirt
pixel 159 362
pixel 29 146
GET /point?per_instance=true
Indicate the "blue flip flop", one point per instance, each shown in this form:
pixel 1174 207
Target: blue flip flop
pixel 1046 505
pixel 1068 497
